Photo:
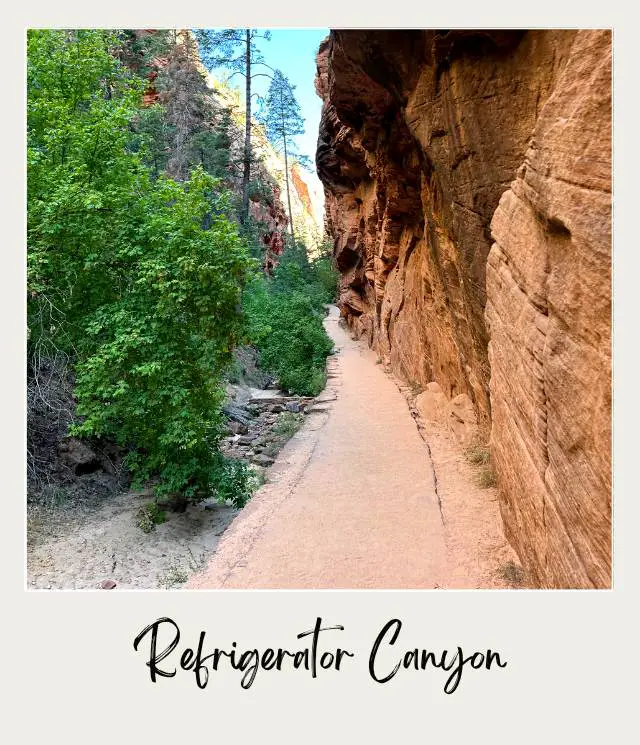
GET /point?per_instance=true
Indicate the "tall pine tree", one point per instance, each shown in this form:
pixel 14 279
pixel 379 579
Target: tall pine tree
pixel 236 50
pixel 283 121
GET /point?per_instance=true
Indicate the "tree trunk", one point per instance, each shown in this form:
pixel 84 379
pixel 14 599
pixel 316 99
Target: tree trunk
pixel 246 173
pixel 286 167
pixel 286 175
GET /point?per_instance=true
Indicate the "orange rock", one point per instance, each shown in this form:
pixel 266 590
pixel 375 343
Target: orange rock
pixel 431 142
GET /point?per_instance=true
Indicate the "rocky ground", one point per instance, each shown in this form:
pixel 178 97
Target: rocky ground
pixel 260 422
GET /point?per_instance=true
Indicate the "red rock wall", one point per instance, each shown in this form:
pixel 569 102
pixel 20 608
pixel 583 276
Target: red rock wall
pixel 432 146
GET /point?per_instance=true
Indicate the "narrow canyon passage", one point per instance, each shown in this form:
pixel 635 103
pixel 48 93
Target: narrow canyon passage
pixel 351 501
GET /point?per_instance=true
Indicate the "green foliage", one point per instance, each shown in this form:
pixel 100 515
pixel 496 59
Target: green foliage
pixel 146 274
pixel 253 232
pixel 284 320
pixel 285 428
pixel 281 114
pixel 287 425
pixel 260 192
pixel 152 137
pixel 138 278
pixel 235 482
pixel 210 148
pixel 228 47
pixel 148 516
pixel 185 127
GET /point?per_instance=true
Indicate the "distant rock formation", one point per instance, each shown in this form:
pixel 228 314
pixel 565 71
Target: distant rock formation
pixel 467 177
pixel 266 205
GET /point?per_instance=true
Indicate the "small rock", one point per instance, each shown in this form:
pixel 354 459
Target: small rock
pixel 237 413
pixel 262 460
pixel 238 428
pixel 107 584
pixel 262 397
pixel 246 439
pixel 293 407
pixel 277 408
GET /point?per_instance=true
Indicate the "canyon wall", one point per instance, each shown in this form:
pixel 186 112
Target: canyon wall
pixel 467 179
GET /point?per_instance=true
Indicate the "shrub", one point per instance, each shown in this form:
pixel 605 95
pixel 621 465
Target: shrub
pixel 284 320
pixel 148 516
pixel 486 477
pixel 512 573
pixel 479 455
pixel 288 331
pixel 235 482
pixel 145 273
pixel 260 191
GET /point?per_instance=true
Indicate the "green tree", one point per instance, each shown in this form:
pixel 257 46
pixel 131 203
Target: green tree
pixel 284 320
pixel 236 49
pixel 145 274
pixel 283 121
pixel 186 126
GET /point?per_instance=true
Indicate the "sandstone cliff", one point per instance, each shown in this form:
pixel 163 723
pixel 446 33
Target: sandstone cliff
pixel 467 177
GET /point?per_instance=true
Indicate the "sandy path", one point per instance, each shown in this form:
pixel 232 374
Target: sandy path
pixel 351 500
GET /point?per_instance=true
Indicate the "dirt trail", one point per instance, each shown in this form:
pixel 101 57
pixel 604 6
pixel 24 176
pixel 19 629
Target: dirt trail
pixel 359 498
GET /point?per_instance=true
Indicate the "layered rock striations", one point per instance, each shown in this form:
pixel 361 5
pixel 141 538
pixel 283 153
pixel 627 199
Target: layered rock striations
pixel 467 179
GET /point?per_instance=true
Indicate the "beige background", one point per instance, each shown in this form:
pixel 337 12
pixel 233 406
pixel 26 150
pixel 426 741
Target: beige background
pixel 72 674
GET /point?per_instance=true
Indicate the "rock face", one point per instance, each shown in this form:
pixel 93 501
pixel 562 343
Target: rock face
pixel 467 182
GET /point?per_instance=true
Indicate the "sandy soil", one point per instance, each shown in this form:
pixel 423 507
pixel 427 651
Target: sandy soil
pixel 363 497
pixel 78 548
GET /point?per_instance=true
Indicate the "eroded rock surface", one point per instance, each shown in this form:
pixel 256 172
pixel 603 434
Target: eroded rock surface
pixel 467 180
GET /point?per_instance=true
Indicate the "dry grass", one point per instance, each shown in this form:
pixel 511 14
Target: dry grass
pixel 486 478
pixel 513 574
pixel 479 455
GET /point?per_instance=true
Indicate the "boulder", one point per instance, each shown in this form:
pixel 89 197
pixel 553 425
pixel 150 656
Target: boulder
pixel 78 456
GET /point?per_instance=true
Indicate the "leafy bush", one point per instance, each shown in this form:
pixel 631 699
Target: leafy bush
pixel 146 274
pixel 148 516
pixel 287 329
pixel 260 192
pixel 235 482
pixel 284 320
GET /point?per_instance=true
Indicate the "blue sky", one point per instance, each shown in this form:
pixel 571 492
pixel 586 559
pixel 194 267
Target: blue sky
pixel 293 51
